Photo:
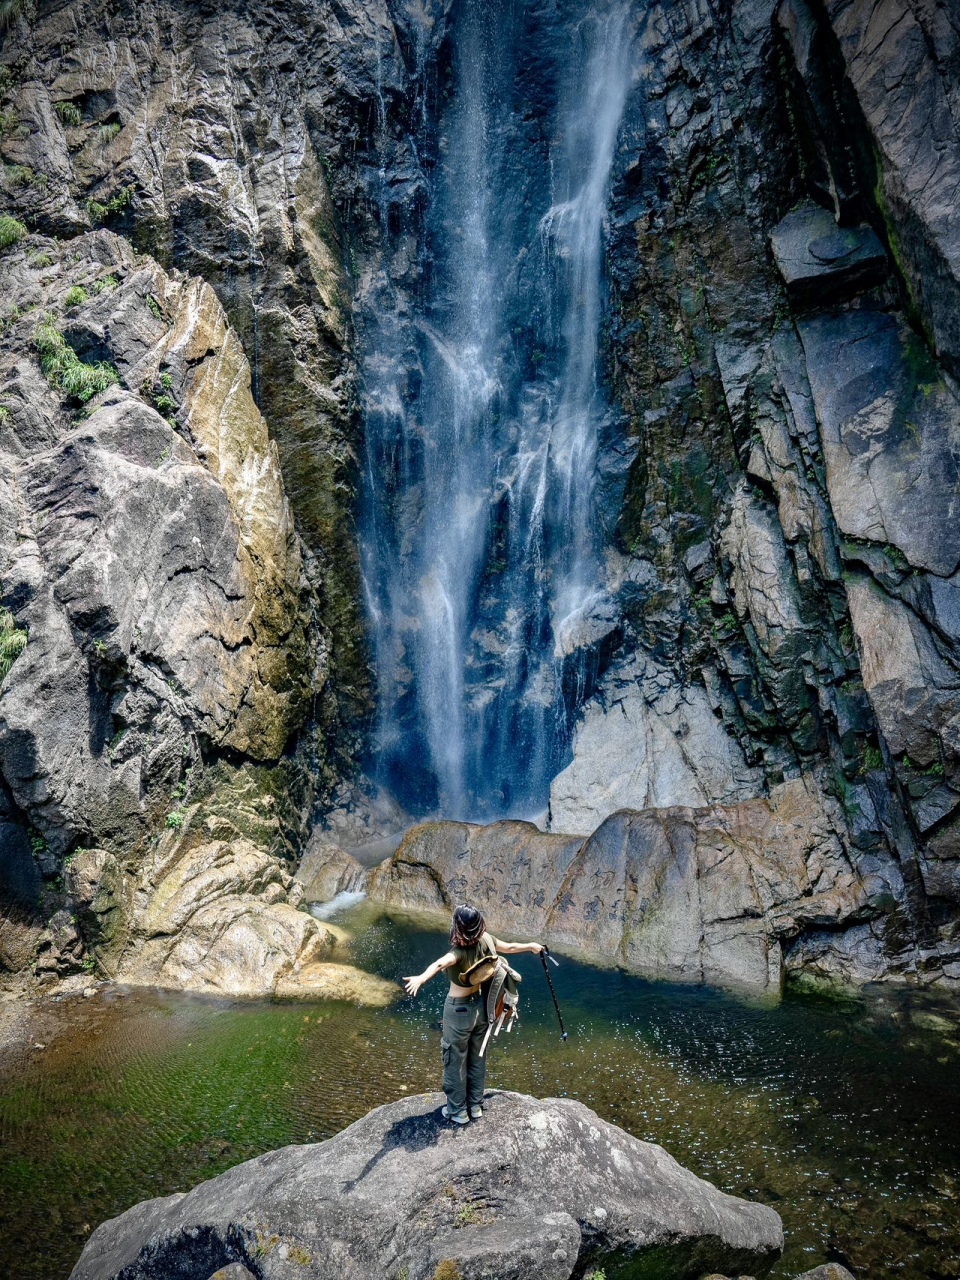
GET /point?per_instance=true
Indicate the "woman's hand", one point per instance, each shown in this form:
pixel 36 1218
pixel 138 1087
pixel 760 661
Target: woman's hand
pixel 537 948
pixel 413 985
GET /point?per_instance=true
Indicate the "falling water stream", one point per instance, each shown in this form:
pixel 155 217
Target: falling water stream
pixel 483 405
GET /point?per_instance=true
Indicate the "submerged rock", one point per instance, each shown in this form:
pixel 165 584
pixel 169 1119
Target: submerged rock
pixel 717 894
pixel 536 1190
pixel 327 980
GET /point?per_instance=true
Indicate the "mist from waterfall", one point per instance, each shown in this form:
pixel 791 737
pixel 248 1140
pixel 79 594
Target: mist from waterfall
pixel 482 413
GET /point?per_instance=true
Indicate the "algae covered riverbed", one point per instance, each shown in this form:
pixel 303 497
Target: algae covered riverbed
pixel 843 1115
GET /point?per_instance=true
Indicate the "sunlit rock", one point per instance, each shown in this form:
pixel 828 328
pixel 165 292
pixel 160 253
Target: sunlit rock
pixel 535 1191
pixel 648 742
pixel 722 894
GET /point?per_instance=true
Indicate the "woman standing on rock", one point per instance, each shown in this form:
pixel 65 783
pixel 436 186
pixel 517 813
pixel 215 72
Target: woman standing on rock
pixel 465 1015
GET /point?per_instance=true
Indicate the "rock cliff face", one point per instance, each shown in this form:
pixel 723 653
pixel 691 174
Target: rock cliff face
pixel 152 559
pixel 185 574
pixel 401 1193
pixel 787 535
pixel 226 211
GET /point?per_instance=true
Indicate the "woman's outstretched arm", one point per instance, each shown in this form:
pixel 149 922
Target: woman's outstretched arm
pixel 514 948
pixel 414 984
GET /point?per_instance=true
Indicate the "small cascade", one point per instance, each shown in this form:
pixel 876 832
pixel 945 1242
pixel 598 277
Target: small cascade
pixel 483 405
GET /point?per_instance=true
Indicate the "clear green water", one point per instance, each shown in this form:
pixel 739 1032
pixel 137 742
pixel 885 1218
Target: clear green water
pixel 844 1116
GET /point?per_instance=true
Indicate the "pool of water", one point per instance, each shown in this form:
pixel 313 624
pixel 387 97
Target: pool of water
pixel 845 1116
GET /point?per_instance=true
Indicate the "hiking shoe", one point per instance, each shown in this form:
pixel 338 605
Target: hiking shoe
pixel 458 1117
pixel 476 1113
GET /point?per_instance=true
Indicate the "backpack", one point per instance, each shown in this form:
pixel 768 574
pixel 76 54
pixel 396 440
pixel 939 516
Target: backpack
pixel 482 968
pixel 501 996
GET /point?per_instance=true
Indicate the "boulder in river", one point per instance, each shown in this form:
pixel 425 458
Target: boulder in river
pixel 537 1189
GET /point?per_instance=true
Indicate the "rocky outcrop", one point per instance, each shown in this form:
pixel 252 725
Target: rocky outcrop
pixel 400 1193
pixel 325 870
pixel 211 910
pixel 885 73
pixel 206 139
pixel 819 261
pixel 648 742
pixel 151 558
pixel 740 893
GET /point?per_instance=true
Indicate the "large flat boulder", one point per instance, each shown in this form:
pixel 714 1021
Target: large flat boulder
pixel 536 1190
pixel 715 894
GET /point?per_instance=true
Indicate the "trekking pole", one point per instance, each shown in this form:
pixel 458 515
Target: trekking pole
pixel 545 956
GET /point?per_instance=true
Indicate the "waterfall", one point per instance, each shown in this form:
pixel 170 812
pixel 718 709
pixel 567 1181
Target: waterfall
pixel 482 409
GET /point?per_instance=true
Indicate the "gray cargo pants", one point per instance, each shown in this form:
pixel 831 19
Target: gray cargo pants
pixel 464 1071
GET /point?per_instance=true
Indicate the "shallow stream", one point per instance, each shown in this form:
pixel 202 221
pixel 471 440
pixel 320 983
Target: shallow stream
pixel 843 1115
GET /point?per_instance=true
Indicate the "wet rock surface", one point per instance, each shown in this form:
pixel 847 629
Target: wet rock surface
pixel 326 870
pixel 401 1191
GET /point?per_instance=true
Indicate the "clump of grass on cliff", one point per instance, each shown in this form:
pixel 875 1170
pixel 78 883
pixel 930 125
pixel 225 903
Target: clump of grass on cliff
pixel 106 134
pixel 446 1269
pixel 98 211
pixel 12 231
pixel 64 368
pixel 13 641
pixel 68 112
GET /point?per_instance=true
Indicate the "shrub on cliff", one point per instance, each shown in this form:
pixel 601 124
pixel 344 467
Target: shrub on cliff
pixel 66 370
pixel 13 641
pixel 98 211
pixel 12 231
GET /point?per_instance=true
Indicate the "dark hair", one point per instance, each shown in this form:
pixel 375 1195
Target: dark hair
pixel 468 925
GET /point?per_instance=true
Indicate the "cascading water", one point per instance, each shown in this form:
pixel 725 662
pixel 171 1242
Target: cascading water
pixel 483 407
